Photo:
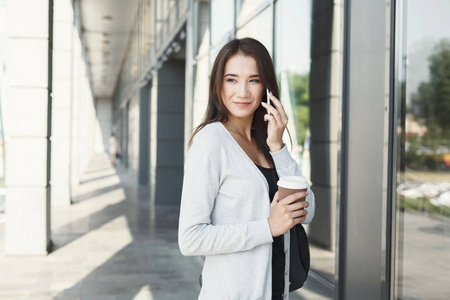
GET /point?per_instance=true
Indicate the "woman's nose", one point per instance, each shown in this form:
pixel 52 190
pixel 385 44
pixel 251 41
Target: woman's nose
pixel 243 90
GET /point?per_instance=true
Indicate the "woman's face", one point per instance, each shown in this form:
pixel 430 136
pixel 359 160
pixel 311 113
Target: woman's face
pixel 242 89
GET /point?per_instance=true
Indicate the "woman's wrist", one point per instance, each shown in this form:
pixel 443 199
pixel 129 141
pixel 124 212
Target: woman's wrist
pixel 270 226
pixel 276 147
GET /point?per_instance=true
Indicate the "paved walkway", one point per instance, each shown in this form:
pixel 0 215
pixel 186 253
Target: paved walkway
pixel 112 243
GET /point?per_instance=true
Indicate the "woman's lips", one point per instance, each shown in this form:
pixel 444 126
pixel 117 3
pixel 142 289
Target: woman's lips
pixel 242 104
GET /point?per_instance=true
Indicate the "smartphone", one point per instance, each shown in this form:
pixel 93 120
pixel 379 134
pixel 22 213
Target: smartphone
pixel 268 99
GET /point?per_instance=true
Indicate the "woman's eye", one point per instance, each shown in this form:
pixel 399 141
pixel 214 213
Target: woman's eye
pixel 231 80
pixel 255 81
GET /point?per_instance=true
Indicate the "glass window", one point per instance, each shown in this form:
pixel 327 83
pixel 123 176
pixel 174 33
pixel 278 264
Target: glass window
pixel 259 28
pixel 214 51
pixel 312 105
pixel 202 27
pixel 222 19
pixel 293 66
pixel 293 47
pixel 201 90
pixel 245 8
pixel 160 15
pixel 423 164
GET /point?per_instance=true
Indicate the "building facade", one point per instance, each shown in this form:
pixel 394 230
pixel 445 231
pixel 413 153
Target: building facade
pixel 366 85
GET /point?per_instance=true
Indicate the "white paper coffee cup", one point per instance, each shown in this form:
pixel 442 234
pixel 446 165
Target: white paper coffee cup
pixel 288 185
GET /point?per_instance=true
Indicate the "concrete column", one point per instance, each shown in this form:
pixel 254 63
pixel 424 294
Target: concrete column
pixel 27 127
pixel 62 102
pixel 85 121
pixel 77 62
pixel 167 133
pixel 192 38
pixel 103 126
pixel 326 57
pixel 84 124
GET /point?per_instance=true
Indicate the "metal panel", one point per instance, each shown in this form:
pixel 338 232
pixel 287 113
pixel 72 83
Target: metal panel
pixel 361 260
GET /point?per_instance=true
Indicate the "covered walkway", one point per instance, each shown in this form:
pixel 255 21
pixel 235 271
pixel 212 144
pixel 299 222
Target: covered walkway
pixel 112 243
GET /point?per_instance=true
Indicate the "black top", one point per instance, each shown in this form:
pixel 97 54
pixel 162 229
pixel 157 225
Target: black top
pixel 299 248
pixel 278 258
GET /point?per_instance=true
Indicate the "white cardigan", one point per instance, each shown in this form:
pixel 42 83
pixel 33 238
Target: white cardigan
pixel 224 209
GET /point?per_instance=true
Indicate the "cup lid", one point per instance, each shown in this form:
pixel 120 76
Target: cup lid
pixel 293 182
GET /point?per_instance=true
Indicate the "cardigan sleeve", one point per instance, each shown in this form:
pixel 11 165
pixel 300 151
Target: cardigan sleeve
pixel 196 234
pixel 287 166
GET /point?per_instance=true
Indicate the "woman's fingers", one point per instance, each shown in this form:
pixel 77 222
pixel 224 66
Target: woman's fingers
pixel 299 220
pixel 277 103
pixel 273 111
pixel 299 205
pixel 268 117
pixel 299 213
pixel 285 216
pixel 279 108
pixel 293 197
pixel 273 120
pixel 281 121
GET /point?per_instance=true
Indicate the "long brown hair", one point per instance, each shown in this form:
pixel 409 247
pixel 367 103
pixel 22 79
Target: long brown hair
pixel 216 110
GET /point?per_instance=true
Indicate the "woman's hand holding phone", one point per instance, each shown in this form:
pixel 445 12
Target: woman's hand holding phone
pixel 278 121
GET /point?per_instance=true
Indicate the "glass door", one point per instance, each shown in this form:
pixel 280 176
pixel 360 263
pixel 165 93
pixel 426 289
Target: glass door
pixel 422 168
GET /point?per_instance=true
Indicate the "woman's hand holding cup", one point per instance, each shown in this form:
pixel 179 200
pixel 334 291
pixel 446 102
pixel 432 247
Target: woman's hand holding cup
pixel 287 212
pixel 290 210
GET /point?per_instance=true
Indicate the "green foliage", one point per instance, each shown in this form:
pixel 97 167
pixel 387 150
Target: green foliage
pixel 301 115
pixel 412 159
pixel 431 103
pixel 423 204
pixel 299 88
pixel 299 94
pixel 430 106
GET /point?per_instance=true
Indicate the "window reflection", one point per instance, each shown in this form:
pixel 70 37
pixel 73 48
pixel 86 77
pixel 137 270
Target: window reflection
pixel 293 65
pixel 201 83
pixel 202 27
pixel 222 19
pixel 244 8
pixel 424 146
pixel 259 28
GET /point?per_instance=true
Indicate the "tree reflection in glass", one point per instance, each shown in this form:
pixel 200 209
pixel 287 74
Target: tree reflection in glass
pixel 423 171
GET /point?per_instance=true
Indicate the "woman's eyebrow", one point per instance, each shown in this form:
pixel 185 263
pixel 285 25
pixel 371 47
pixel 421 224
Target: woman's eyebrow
pixel 234 75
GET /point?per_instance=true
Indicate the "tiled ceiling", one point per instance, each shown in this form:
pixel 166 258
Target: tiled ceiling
pixel 106 28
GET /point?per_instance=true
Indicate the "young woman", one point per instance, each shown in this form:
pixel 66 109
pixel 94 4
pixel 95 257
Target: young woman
pixel 230 211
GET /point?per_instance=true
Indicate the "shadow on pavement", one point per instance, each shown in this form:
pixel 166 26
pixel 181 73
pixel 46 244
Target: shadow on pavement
pixel 130 247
